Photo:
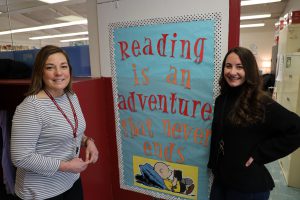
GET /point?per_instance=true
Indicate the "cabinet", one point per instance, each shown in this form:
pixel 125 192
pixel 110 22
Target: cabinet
pixel 289 95
pixel 289 39
pixel 288 92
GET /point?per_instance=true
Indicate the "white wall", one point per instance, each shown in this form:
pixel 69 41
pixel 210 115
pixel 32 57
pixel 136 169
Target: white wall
pixel 132 10
pixel 93 38
pixel 260 43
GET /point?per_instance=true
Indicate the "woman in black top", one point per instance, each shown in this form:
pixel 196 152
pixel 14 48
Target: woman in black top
pixel 249 129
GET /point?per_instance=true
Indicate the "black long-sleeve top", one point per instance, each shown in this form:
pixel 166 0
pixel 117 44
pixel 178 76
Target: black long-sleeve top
pixel 277 136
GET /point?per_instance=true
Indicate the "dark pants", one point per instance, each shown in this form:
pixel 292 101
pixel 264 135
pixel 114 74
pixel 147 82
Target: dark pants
pixel 74 193
pixel 221 193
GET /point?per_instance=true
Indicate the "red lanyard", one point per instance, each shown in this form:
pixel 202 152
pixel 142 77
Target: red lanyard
pixel 62 112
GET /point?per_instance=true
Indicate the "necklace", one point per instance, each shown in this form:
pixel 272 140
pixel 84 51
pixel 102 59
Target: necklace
pixel 74 128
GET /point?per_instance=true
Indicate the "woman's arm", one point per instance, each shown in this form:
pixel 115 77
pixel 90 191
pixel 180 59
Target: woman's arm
pixel 284 137
pixel 26 129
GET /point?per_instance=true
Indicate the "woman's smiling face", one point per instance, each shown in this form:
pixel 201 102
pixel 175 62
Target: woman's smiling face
pixel 234 72
pixel 56 74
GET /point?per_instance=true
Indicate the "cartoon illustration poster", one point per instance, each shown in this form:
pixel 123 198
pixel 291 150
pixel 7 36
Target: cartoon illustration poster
pixel 163 77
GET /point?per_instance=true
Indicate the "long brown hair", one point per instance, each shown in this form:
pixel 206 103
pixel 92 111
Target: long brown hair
pixel 249 107
pixel 37 83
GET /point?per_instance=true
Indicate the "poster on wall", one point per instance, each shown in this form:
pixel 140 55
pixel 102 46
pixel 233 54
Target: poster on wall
pixel 163 81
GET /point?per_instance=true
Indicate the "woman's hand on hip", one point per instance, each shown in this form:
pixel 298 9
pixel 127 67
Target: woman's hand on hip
pixel 249 162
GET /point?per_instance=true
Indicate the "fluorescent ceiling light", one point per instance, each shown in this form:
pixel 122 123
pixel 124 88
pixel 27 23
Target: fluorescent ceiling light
pixel 53 1
pixel 75 39
pixel 252 25
pixel 254 2
pixel 59 35
pixel 255 16
pixel 70 18
pixel 36 28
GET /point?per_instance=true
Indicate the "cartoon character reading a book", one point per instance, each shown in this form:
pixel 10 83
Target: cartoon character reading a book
pixel 173 179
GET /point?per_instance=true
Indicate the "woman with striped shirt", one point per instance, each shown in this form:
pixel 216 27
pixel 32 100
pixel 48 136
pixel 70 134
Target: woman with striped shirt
pixel 48 131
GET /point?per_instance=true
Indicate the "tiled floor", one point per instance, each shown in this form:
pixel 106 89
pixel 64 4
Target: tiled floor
pixel 281 190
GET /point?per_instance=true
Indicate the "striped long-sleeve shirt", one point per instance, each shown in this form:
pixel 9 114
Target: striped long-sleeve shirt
pixel 42 138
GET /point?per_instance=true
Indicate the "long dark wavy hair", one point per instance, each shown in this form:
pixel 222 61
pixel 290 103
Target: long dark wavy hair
pixel 249 107
pixel 37 83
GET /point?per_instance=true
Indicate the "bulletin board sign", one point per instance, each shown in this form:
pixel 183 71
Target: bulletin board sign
pixel 164 84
